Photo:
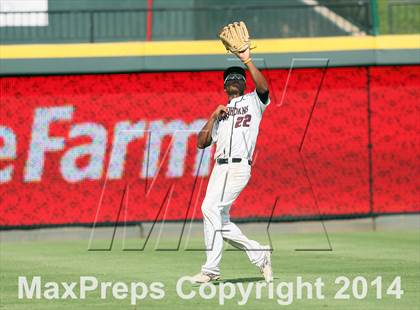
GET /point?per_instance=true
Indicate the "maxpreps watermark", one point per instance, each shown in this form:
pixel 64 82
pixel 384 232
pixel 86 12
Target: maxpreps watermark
pixel 284 293
pixel 135 291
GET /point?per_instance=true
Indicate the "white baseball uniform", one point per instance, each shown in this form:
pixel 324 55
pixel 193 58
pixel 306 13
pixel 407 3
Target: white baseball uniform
pixel 236 137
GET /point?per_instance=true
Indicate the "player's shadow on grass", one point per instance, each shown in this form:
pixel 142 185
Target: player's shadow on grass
pixel 239 280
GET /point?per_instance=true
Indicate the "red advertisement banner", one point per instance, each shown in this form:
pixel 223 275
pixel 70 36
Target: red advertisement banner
pixel 80 149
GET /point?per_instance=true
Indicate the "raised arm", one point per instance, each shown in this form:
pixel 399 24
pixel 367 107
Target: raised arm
pixel 204 136
pixel 258 78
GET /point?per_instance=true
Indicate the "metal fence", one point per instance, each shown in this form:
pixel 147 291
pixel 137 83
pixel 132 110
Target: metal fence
pixel 404 16
pixel 358 13
pixel 198 23
pixel 183 23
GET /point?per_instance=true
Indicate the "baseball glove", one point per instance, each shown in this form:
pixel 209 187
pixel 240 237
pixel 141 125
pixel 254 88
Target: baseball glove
pixel 235 37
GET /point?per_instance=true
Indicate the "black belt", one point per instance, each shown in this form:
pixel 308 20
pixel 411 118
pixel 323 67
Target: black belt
pixel 222 161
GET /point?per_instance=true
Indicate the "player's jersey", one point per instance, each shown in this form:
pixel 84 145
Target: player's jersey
pixel 236 136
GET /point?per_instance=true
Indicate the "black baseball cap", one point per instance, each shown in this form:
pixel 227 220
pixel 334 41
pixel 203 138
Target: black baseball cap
pixel 230 70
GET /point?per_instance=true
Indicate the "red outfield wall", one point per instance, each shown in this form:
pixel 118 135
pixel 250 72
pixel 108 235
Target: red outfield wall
pixel 121 147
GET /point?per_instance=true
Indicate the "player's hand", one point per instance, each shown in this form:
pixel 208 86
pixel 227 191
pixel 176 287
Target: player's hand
pixel 220 113
pixel 245 55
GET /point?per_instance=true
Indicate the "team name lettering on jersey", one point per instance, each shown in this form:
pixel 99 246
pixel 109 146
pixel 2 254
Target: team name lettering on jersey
pixel 236 136
pixel 232 111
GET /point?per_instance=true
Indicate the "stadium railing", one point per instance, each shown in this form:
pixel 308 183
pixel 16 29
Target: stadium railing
pixel 198 23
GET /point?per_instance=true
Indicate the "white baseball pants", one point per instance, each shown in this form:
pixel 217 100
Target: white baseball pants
pixel 225 184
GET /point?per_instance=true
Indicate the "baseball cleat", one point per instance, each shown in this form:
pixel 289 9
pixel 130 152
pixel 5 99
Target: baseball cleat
pixel 204 277
pixel 266 269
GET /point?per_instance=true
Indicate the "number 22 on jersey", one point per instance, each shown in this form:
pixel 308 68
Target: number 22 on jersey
pixel 243 121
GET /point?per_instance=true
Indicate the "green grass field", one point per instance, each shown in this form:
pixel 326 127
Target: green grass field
pixel 367 254
pixel 406 17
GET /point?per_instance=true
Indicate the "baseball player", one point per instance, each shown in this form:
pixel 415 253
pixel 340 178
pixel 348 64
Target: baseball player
pixel 234 129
